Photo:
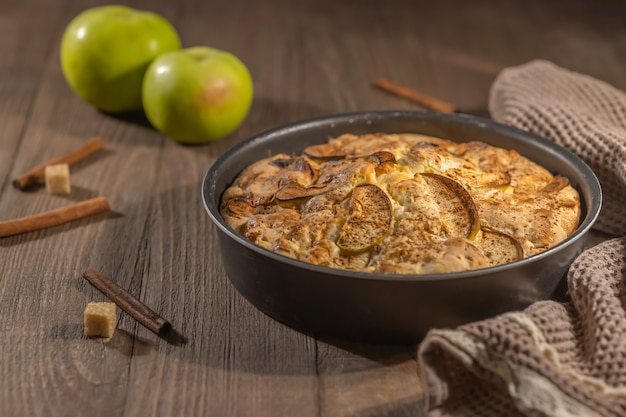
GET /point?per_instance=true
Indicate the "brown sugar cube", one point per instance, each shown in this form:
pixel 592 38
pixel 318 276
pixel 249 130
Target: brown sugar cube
pixel 57 178
pixel 100 319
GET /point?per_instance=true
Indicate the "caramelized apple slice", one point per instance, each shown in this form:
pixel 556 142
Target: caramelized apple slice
pixel 456 205
pixel 294 194
pixel 324 152
pixel 239 206
pixel 293 163
pixel 556 185
pixel 383 160
pixel 499 247
pixel 237 211
pixel 338 177
pixel 370 219
pixel 351 146
pixel 382 157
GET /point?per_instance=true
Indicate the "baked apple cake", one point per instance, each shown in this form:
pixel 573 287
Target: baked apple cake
pixel 402 204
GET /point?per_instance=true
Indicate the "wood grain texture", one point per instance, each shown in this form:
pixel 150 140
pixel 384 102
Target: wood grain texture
pixel 307 58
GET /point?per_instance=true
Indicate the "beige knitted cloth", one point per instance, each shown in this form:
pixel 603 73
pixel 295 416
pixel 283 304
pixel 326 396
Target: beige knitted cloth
pixel 551 359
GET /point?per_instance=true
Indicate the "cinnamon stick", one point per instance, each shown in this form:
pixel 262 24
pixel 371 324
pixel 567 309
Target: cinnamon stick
pixel 37 173
pixel 128 302
pixel 415 96
pixel 54 217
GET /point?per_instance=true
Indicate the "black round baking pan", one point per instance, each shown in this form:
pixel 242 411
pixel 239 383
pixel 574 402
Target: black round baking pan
pixel 381 308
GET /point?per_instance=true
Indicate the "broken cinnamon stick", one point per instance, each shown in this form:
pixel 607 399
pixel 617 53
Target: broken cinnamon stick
pixel 415 96
pixel 54 217
pixel 131 305
pixel 37 173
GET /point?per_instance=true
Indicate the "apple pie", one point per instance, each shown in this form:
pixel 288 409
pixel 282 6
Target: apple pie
pixel 402 204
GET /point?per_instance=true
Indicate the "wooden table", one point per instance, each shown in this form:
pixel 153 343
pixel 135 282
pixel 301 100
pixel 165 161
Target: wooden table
pixel 308 58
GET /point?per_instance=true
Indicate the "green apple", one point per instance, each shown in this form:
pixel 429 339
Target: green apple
pixel 105 52
pixel 197 95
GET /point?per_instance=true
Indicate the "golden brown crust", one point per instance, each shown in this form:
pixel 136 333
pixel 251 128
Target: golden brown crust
pixel 403 204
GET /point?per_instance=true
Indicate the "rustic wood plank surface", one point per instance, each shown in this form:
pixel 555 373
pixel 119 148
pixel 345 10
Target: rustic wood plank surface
pixel 307 58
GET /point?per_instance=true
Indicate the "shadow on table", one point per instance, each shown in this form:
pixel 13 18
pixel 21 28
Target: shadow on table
pixel 133 117
pixel 264 114
pixel 122 340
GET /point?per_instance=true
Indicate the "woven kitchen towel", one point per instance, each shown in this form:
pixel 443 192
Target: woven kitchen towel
pixel 552 359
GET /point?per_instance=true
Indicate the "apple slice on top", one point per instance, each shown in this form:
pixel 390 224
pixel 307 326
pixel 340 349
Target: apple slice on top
pixel 499 247
pixel 352 146
pixel 456 205
pixel 370 219
pixel 337 174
